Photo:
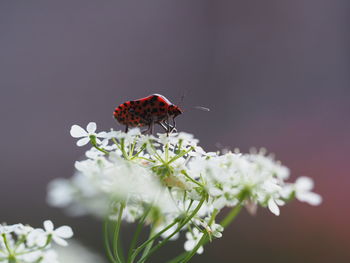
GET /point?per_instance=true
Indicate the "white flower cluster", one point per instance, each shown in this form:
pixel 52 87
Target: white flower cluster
pixel 167 178
pixel 24 244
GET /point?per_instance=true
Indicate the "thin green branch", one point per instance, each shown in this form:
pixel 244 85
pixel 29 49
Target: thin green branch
pixel 106 241
pixel 137 233
pixel 140 248
pixel 225 223
pixel 184 222
pixel 116 233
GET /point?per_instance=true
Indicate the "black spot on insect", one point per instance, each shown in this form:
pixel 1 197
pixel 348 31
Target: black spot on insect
pixel 162 104
pixel 120 107
pixel 154 110
pixel 132 102
pixel 162 109
pixel 125 104
pixel 145 103
pixel 154 98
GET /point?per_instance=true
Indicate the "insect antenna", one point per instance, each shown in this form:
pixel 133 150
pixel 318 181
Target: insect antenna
pixel 201 108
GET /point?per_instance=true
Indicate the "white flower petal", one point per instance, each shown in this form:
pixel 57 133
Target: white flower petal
pixel 77 131
pixel 200 250
pixel 304 184
pixel 310 198
pixel 83 141
pixel 102 135
pixel 41 240
pixel 273 207
pixel 217 234
pixel 64 232
pixel 189 245
pixel 91 127
pixel 48 225
pixel 60 241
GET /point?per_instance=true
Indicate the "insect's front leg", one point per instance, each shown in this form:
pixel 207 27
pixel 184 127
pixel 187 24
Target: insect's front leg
pixel 167 127
pixel 174 125
pixel 164 125
pixel 126 128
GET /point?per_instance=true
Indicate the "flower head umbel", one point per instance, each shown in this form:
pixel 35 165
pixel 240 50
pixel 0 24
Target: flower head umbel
pixel 170 183
pixel 25 244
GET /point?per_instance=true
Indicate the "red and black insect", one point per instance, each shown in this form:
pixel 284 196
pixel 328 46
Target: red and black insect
pixel 154 109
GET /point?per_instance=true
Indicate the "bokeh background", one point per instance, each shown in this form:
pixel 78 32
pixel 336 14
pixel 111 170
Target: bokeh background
pixel 275 74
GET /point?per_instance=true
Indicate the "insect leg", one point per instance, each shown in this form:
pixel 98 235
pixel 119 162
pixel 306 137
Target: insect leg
pixel 126 128
pixel 167 127
pixel 164 126
pixel 151 125
pixel 147 130
pixel 174 125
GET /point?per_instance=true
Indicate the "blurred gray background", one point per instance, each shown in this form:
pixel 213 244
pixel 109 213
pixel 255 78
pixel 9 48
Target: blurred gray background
pixel 273 73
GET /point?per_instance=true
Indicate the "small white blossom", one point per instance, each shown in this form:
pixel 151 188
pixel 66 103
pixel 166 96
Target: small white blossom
pixel 78 132
pixel 192 240
pixel 58 235
pixel 303 191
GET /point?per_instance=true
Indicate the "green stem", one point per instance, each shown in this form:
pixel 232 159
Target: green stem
pixel 139 249
pixel 137 233
pixel 106 242
pixel 204 239
pixel 101 150
pixel 122 147
pixel 131 149
pixel 167 152
pixel 231 215
pixel 149 246
pixel 94 143
pixel 180 155
pixel 116 233
pixel 163 242
pixel 191 179
pixel 225 222
pixel 121 250
pixel 6 243
pixel 156 155
pixel 137 154
pixel 12 259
